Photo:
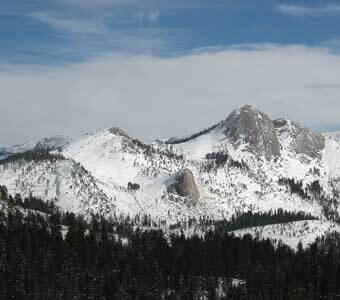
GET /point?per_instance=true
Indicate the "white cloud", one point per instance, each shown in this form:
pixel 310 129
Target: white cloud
pixel 147 17
pixel 92 36
pixel 95 3
pixel 150 96
pixel 296 10
pixel 72 25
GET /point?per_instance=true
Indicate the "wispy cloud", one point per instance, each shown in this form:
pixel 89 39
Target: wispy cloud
pixel 72 25
pixel 88 36
pixel 147 18
pixel 297 10
pixel 94 4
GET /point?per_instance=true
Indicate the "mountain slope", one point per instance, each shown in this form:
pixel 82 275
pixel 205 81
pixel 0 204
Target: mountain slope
pixel 245 162
pixel 334 135
pixel 245 176
pixel 54 178
pixel 57 142
pixel 292 233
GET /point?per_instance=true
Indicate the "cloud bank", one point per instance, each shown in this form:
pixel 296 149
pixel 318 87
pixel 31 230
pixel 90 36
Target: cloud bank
pixel 152 97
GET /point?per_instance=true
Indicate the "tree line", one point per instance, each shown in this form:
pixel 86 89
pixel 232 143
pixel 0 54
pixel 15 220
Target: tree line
pixel 32 156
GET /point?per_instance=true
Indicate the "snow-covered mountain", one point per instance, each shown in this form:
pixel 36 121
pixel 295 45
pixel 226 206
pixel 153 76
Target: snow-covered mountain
pixel 19 148
pixel 245 162
pixel 335 135
pixel 4 152
pixel 57 142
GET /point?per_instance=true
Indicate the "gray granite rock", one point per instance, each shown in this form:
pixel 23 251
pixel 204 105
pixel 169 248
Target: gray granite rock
pixel 302 140
pixel 185 185
pixel 253 128
pixel 119 132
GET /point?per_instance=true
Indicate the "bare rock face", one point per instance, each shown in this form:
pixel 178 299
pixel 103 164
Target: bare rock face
pixel 254 128
pixel 119 132
pixel 185 185
pixel 3 192
pixel 302 140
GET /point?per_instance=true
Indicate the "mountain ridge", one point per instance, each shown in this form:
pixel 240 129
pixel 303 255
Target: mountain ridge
pixel 237 165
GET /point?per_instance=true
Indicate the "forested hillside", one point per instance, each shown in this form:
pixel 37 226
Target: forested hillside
pixel 46 254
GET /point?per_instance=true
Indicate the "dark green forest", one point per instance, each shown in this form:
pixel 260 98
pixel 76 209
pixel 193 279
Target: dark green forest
pixel 46 254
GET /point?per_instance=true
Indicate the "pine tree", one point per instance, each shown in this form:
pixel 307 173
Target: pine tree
pixel 3 269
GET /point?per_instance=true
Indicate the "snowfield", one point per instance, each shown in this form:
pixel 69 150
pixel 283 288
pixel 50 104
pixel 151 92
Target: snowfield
pixel 293 233
pixel 96 171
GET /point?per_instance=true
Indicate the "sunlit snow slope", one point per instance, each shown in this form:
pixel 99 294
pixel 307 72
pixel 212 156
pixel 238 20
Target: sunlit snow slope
pixel 238 165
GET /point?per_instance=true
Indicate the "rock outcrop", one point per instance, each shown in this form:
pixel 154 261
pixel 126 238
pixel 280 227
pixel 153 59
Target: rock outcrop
pixel 119 132
pixel 301 140
pixel 248 126
pixel 185 185
pixel 3 192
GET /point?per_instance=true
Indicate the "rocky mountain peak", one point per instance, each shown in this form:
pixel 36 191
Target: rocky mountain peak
pixel 252 127
pixel 119 132
pixel 302 140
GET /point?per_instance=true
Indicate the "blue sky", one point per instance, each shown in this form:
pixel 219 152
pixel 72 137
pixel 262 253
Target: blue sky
pixel 54 32
pixel 118 50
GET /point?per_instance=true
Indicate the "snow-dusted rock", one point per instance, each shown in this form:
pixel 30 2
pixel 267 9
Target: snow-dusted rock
pixel 185 185
pixel 302 140
pixel 248 126
pixel 119 132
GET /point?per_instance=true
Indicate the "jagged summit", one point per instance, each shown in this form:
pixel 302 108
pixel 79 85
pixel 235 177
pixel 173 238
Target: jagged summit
pixel 299 138
pixel 253 131
pixel 119 132
pixel 253 128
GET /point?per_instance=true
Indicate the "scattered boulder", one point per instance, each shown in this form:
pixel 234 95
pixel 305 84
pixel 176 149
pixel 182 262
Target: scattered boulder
pixel 185 185
pixel 133 186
